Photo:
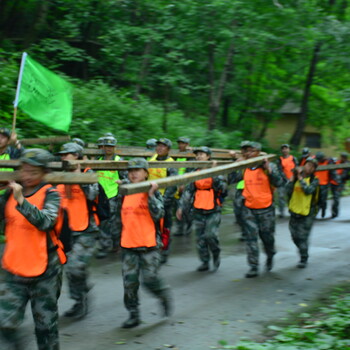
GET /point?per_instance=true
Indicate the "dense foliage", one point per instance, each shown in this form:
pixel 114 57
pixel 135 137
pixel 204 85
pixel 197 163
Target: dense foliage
pixel 202 68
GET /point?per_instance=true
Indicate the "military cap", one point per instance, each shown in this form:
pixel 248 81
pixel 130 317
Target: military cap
pixel 204 149
pixel 138 163
pixel 100 141
pixel 305 151
pixel 312 160
pixel 256 145
pixel 109 141
pixel 165 142
pixel 151 143
pixel 285 145
pixel 245 143
pixel 80 142
pixel 6 132
pixel 184 139
pixel 71 147
pixel 319 155
pixel 36 157
pixel 107 134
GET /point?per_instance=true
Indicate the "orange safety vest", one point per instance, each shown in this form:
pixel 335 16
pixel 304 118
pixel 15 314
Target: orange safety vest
pixel 323 175
pixel 338 171
pixel 26 250
pixel 138 228
pixel 303 161
pixel 205 196
pixel 287 166
pixel 257 190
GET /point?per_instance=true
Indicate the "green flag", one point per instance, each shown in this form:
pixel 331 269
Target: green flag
pixel 44 95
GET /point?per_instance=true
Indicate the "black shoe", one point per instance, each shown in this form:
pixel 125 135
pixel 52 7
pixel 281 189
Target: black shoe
pixel 78 311
pixel 216 262
pixel 203 267
pixel 334 216
pixel 269 263
pixel 132 321
pixel 253 272
pixel 167 305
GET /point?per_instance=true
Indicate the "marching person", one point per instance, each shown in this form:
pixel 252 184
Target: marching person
pixel 33 255
pixel 109 180
pixel 285 163
pixel 183 227
pixel 259 212
pixel 324 177
pixel 302 189
pixel 337 185
pixel 162 154
pixel 76 201
pixel 238 200
pixel 141 243
pixel 205 198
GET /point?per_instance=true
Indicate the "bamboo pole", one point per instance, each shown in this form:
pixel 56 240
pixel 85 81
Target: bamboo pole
pixel 45 140
pixel 54 178
pixel 194 176
pixel 133 152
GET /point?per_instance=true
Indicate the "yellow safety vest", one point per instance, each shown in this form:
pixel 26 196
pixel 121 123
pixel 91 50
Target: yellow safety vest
pixel 107 179
pixel 158 173
pixel 240 185
pixel 300 203
pixel 5 156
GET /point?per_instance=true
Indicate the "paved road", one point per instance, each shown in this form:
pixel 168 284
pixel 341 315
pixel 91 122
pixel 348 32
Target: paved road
pixel 210 306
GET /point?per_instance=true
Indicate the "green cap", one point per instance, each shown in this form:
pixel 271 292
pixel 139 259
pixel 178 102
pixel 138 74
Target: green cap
pixel 36 157
pixel 184 139
pixel 109 141
pixel 320 155
pixel 108 134
pixel 138 163
pixel 246 143
pixel 312 160
pixel 5 132
pixel 71 147
pixel 305 151
pixel 285 145
pixel 204 149
pixel 256 145
pixel 100 141
pixel 80 142
pixel 151 143
pixel 165 142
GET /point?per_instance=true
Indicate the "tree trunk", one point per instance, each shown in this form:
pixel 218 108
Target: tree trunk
pixel 296 138
pixel 217 92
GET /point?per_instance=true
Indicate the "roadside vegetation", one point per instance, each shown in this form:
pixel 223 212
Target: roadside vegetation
pixel 325 326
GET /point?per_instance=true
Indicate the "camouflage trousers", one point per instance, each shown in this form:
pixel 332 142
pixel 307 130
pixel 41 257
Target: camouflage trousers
pixel 109 238
pixel 184 226
pixel 282 195
pixel 259 223
pixel 336 194
pixel 79 257
pixel 238 208
pixel 300 228
pixel 322 200
pixel 207 233
pixel 43 293
pixel 168 222
pixel 146 263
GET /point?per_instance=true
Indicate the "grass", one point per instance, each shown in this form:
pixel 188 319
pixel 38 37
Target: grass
pixel 326 326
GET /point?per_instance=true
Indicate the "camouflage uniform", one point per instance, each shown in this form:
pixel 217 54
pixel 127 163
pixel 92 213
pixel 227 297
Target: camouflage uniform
pixel 42 291
pixel 83 247
pixel 206 222
pixel 281 190
pixel 261 223
pixel 145 261
pixel 299 225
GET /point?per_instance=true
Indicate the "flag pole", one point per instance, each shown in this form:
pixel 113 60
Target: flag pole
pixel 15 103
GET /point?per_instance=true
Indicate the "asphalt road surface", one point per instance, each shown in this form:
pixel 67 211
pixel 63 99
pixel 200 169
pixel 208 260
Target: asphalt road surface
pixel 208 306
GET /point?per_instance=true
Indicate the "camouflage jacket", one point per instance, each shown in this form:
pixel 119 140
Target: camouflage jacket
pixel 187 198
pixel 43 219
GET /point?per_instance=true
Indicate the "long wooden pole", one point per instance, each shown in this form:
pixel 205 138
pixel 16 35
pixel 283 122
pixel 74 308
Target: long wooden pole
pixel 46 140
pixel 54 178
pixel 190 177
